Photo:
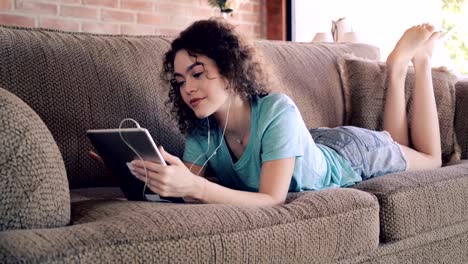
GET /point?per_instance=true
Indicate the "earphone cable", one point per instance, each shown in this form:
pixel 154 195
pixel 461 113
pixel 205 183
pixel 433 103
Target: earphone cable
pixel 133 149
pixel 220 144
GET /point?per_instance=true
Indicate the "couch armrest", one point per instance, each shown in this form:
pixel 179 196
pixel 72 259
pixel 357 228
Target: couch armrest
pixel 461 116
pixel 319 227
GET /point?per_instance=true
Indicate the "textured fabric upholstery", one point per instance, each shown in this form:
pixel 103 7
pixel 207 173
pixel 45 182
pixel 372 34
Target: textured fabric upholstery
pixel 33 182
pixel 93 82
pixel 365 84
pixel 444 245
pixel 97 193
pixel 461 116
pixel 318 227
pixel 308 73
pixel 80 81
pixel 415 202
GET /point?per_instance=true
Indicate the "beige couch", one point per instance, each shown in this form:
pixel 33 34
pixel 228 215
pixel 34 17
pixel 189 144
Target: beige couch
pixel 58 206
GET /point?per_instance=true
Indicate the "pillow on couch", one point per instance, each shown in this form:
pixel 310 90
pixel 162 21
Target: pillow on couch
pixel 364 84
pixel 34 189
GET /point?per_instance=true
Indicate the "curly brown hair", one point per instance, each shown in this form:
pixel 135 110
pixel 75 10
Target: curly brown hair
pixel 235 59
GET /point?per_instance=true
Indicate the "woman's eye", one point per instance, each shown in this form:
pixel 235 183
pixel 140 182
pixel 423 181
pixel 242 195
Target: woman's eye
pixel 177 84
pixel 197 75
pixel 181 84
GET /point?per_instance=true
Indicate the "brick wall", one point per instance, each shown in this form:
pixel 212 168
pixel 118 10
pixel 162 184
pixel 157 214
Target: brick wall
pixel 132 17
pixel 276 19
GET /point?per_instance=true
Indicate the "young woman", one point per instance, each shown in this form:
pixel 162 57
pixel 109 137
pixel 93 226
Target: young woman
pixel 256 142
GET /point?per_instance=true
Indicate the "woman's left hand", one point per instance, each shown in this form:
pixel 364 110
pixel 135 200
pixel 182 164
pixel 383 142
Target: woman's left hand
pixel 173 180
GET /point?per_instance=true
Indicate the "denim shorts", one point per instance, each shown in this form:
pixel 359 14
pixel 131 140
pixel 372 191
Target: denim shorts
pixel 370 153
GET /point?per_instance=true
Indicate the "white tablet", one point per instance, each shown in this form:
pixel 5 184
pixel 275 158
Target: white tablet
pixel 118 147
pixel 111 142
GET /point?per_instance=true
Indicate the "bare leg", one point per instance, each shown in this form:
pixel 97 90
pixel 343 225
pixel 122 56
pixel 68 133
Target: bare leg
pixel 395 118
pixel 416 44
pixel 425 131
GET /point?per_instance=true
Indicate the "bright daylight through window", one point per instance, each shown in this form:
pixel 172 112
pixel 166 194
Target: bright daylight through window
pixel 381 23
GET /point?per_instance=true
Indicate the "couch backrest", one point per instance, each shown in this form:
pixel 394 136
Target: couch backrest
pixel 309 74
pixel 80 81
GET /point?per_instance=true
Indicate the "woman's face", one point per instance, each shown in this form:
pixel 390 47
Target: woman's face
pixel 201 86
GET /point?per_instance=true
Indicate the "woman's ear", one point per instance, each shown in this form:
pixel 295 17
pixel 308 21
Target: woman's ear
pixel 227 84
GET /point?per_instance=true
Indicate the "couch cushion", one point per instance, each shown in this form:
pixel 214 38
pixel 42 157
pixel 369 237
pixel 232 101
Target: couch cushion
pixel 33 182
pixel 97 193
pixel 308 73
pixel 316 227
pixel 420 201
pixel 365 84
pixel 82 81
pixel 446 245
pixel 461 116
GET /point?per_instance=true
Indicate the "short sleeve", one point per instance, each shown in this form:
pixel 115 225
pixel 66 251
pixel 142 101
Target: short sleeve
pixel 194 151
pixel 282 137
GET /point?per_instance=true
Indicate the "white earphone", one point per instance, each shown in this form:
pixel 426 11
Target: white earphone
pixel 208 147
pixel 133 149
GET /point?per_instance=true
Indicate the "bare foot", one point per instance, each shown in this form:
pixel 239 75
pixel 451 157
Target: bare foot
pixel 409 44
pixel 424 53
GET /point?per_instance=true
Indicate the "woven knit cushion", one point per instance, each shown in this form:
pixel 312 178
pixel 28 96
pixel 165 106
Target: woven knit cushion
pixel 364 84
pixel 416 202
pixel 307 73
pixel 312 227
pixel 33 182
pixel 461 116
pixel 81 81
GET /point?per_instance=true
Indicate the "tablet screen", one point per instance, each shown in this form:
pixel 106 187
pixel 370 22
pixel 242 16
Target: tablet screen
pixel 111 145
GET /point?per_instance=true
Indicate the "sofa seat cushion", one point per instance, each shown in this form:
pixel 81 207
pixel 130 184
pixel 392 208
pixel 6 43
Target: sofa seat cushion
pixel 96 193
pixel 321 227
pixel 420 201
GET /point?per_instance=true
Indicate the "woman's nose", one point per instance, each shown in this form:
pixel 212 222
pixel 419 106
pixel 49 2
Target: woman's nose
pixel 189 87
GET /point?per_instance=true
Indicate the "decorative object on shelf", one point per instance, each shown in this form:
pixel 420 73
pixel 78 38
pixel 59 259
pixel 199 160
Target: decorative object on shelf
pixel 341 31
pixel 350 37
pixel 223 5
pixel 323 37
pixel 339 27
pixel 226 7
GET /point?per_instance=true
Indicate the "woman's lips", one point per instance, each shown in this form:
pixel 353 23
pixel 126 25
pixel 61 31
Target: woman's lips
pixel 195 102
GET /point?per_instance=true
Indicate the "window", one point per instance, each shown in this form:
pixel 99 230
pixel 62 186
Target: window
pixel 455 22
pixel 381 23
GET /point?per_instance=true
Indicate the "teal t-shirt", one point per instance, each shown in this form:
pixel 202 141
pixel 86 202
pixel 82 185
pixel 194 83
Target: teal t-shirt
pixel 277 132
